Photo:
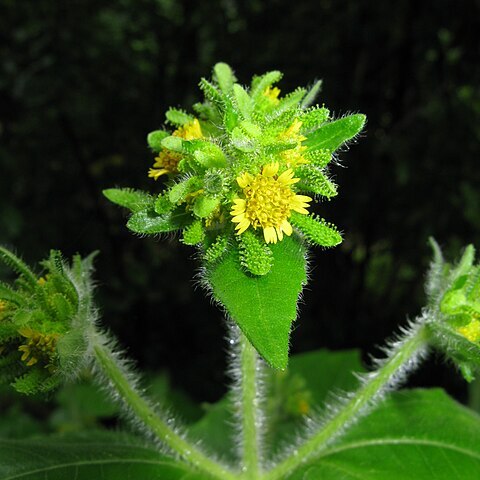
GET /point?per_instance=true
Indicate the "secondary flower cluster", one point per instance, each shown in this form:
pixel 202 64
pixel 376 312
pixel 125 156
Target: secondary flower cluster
pixel 42 322
pixel 242 170
pixel 454 291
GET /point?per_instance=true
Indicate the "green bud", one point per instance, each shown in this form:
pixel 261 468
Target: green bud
pixel 317 231
pixel 217 249
pixel 255 256
pixel 194 234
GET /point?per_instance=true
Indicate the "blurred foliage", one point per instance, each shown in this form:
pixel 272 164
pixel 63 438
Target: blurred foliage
pixel 82 82
pixel 80 407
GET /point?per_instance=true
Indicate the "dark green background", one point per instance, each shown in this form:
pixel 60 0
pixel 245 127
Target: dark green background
pixel 83 82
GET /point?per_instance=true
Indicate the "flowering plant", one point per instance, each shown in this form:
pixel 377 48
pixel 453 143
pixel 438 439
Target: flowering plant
pixel 238 179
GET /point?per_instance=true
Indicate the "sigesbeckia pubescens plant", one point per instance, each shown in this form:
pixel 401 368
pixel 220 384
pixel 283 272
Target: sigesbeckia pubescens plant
pixel 241 174
pixel 237 179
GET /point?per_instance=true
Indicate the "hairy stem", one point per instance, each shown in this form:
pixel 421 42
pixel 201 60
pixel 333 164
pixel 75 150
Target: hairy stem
pixel 403 354
pixel 250 409
pixel 188 452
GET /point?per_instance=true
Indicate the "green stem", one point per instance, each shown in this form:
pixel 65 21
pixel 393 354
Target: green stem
pixel 148 416
pixel 249 364
pixel 416 341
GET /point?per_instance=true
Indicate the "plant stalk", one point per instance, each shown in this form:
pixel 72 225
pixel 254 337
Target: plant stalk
pixel 188 452
pixel 352 410
pixel 250 409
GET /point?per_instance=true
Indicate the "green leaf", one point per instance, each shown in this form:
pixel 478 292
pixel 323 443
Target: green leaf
pixel 243 100
pixel 98 456
pixel 333 134
pixel 173 143
pixel 224 76
pixel 154 139
pixel 312 94
pixel 263 307
pixel 204 206
pixel 178 117
pixel 417 434
pixel 134 200
pixel 147 221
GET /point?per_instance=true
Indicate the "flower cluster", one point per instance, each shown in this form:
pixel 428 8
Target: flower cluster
pixel 42 322
pixel 454 292
pixel 242 170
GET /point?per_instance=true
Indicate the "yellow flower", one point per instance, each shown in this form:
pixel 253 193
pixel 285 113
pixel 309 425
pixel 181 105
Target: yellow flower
pixel 471 331
pixel 167 160
pixel 38 346
pixel 268 202
pixel 165 163
pixel 294 156
pixel 272 94
pixel 3 306
pixel 189 131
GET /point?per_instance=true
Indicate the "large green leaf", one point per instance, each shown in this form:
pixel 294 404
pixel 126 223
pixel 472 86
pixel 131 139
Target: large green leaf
pixel 98 457
pixel 309 378
pixel 332 135
pixel 417 434
pixel 264 307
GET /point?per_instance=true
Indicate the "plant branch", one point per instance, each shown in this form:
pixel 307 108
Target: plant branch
pixel 143 410
pixel 401 359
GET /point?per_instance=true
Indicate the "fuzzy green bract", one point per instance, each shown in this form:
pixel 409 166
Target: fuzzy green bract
pixel 43 322
pixel 238 174
pixel 454 291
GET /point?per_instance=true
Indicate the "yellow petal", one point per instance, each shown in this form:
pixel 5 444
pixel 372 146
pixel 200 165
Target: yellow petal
pixel 270 235
pixel 303 198
pixel 242 226
pixel 300 210
pixel 279 233
pixel 244 180
pixel 270 169
pixel 286 227
pixel 239 218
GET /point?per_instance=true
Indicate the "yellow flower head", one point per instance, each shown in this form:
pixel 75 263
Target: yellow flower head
pixel 272 94
pixel 165 163
pixel 3 306
pixel 189 131
pixel 37 347
pixel 471 331
pixel 294 156
pixel 167 160
pixel 268 202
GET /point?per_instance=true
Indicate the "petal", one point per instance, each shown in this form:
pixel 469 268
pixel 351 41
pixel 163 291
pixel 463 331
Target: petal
pixel 270 235
pixel 244 180
pixel 270 169
pixel 279 233
pixel 240 202
pixel 300 210
pixel 239 218
pixel 303 198
pixel 286 227
pixel 242 226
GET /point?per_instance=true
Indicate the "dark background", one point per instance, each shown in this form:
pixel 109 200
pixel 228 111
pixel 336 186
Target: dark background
pixel 83 82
